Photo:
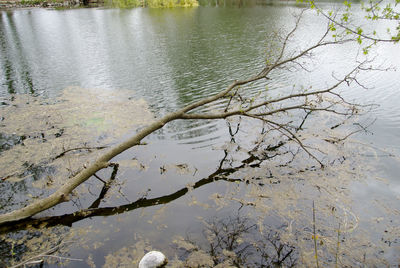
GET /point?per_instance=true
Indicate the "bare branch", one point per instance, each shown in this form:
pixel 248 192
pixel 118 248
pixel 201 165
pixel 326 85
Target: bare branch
pixel 290 136
pixel 232 91
pixel 45 254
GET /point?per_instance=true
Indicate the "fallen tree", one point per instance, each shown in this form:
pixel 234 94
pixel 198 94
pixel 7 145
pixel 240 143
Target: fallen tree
pixel 261 107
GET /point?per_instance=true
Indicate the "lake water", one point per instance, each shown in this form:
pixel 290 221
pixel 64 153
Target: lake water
pixel 172 57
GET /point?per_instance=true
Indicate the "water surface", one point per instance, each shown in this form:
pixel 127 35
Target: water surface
pixel 172 57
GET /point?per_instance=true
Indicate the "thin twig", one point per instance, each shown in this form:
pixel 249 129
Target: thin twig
pixel 79 148
pixel 337 246
pixel 60 257
pixel 100 179
pixel 292 136
pixel 315 235
pixel 44 254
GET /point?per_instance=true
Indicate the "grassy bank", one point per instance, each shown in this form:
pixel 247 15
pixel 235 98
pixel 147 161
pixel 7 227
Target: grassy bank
pixel 107 3
pixel 151 3
pixel 9 4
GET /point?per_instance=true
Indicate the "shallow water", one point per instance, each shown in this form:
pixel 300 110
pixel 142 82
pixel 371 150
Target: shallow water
pixel 172 57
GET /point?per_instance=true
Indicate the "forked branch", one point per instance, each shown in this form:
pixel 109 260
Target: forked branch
pixel 261 108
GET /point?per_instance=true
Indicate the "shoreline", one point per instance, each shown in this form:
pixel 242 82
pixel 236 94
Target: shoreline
pixel 11 5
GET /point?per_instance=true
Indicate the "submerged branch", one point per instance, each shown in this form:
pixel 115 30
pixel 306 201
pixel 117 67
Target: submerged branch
pixel 45 254
pixel 79 149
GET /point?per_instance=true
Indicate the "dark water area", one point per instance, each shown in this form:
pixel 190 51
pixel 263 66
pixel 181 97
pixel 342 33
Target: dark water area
pixel 172 57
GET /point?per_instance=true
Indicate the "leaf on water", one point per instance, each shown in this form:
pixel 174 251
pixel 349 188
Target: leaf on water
pixel 129 163
pixel 181 242
pixel 14 179
pixel 199 259
pixel 127 256
pixel 183 169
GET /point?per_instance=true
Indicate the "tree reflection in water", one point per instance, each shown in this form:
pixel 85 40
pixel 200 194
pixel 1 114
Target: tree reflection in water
pixel 237 242
pixel 225 168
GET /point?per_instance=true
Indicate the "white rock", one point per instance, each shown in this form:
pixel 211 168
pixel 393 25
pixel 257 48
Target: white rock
pixel 153 259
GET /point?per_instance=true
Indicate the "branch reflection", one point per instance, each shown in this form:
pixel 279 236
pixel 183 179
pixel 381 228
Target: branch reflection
pixel 225 168
pixel 236 242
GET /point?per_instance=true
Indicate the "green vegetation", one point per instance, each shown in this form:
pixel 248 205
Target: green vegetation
pixel 113 3
pixel 151 3
pixel 31 2
pixel 124 3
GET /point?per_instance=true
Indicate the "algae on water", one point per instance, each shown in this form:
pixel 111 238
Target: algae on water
pixel 36 131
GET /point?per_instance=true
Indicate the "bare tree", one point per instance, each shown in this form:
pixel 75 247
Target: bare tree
pixel 276 113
